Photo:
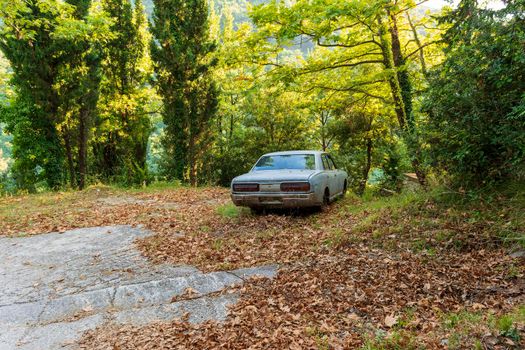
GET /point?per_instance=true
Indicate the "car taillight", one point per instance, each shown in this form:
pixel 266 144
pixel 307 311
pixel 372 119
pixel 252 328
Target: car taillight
pixel 246 187
pixel 295 187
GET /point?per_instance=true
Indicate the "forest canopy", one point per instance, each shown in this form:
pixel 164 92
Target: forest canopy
pixel 117 91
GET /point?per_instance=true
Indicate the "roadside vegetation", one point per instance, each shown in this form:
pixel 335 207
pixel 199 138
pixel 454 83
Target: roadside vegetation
pixel 114 95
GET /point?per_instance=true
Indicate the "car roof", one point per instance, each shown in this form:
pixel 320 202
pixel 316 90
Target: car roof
pixel 293 152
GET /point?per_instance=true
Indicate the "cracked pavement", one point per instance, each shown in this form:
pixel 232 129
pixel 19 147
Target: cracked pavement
pixel 55 286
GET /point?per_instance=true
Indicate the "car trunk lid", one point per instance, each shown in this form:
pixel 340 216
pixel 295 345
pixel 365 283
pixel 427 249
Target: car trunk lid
pixel 276 176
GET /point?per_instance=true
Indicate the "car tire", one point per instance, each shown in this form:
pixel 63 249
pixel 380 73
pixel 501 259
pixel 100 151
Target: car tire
pixel 344 189
pixel 257 210
pixel 326 199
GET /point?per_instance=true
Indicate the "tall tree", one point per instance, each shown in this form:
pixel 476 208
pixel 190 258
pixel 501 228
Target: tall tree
pixel 5 98
pixel 400 84
pixel 79 78
pixel 26 39
pixel 123 126
pixel 181 51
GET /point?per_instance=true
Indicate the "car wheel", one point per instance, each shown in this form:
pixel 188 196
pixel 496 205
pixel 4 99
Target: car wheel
pixel 257 210
pixel 344 189
pixel 326 198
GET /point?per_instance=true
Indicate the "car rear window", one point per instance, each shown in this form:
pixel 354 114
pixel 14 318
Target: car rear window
pixel 286 161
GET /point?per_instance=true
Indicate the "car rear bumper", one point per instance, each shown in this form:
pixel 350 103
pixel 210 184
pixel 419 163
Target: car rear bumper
pixel 275 200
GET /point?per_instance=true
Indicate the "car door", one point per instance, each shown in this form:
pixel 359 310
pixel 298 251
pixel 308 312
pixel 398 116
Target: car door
pixel 331 175
pixel 339 175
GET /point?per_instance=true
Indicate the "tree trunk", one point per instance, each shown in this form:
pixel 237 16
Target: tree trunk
pixel 232 121
pixel 324 137
pixel 419 46
pixel 191 162
pixel 403 80
pixel 417 167
pixel 82 148
pixel 193 174
pixel 401 89
pixel 368 165
pixel 69 155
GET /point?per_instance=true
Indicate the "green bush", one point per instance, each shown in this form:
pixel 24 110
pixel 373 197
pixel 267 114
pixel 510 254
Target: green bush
pixel 476 99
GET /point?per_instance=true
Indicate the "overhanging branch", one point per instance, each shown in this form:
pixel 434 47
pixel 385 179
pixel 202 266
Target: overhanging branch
pixel 342 65
pixel 421 47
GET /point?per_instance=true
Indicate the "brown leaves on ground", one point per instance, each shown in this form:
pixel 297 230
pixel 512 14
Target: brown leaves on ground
pixel 337 301
pixel 174 209
pixel 347 277
pixel 239 242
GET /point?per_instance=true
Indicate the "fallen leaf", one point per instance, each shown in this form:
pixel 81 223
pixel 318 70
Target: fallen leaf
pixel 390 320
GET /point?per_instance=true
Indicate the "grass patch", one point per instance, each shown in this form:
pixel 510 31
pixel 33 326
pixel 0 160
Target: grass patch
pixel 31 207
pixel 265 235
pixel 472 329
pixel 425 222
pixel 335 238
pixel 99 205
pixel 229 211
pixel 395 340
pixel 507 325
pixel 217 244
pixel 375 204
pixel 153 187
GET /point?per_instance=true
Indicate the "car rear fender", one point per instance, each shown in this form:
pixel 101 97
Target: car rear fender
pixel 318 180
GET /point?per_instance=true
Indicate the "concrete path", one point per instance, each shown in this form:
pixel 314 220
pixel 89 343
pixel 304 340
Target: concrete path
pixel 54 286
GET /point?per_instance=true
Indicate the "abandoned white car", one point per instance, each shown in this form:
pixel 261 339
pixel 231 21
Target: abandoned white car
pixel 290 179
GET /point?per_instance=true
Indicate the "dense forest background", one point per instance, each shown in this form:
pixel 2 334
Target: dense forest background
pixel 119 91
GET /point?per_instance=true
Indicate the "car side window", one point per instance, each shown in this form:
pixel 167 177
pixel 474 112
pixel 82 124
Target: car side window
pixel 326 162
pixel 332 163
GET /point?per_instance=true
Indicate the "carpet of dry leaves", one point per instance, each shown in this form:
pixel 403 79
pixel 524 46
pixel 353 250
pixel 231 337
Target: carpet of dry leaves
pixel 380 278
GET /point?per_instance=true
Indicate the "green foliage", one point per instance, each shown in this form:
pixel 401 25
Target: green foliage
pixel 229 210
pixel 393 164
pixel 5 150
pixel 363 52
pixel 463 328
pixel 123 125
pixel 181 51
pixel 36 148
pixel 396 340
pixel 78 100
pixel 507 327
pixel 5 139
pixel 362 132
pixel 26 40
pixel 78 85
pixel 476 100
pixel 63 57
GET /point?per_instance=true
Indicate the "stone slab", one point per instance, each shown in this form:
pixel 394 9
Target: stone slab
pixel 56 286
pixel 60 335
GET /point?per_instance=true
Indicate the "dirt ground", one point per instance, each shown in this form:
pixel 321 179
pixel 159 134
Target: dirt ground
pixel 407 272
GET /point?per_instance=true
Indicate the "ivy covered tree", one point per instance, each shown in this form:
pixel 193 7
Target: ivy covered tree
pixel 6 93
pixel 123 125
pixel 181 51
pixel 26 39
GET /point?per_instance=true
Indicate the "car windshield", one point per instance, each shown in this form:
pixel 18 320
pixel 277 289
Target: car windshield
pixel 286 161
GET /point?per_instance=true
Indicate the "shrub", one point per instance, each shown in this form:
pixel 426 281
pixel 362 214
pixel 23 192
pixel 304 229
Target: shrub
pixel 476 99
